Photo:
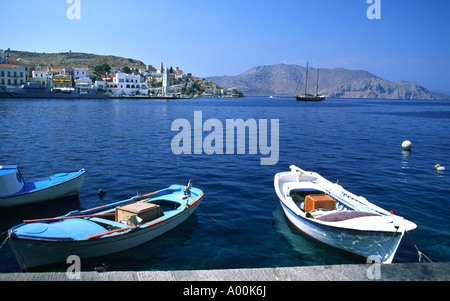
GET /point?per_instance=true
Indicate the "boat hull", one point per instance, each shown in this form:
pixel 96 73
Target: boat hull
pixel 50 95
pixel 312 98
pixel 373 244
pixel 69 186
pixel 31 253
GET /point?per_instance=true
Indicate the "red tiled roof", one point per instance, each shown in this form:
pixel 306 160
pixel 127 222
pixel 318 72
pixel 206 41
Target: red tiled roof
pixel 9 65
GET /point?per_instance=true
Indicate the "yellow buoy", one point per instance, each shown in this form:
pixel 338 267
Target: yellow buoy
pixel 438 167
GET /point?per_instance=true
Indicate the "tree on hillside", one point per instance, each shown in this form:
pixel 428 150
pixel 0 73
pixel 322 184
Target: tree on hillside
pixel 102 69
pixel 126 69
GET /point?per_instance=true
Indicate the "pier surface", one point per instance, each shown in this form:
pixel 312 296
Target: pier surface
pixel 354 272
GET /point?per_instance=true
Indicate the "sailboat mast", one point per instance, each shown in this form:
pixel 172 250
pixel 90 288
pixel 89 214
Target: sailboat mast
pixel 317 84
pixel 306 80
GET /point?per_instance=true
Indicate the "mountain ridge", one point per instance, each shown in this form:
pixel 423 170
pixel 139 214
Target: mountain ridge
pixel 289 80
pixel 75 59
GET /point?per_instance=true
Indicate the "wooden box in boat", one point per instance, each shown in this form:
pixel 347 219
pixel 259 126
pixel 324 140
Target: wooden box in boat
pixel 144 211
pixel 316 201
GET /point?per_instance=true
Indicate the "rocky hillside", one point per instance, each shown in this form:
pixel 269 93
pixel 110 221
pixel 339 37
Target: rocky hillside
pixel 75 59
pixel 289 80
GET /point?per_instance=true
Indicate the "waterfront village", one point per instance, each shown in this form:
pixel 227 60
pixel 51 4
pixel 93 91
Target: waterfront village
pixel 18 73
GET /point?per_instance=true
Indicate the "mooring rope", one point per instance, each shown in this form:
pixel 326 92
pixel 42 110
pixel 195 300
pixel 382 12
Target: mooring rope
pixel 7 237
pixel 418 251
pixel 21 170
pixel 392 238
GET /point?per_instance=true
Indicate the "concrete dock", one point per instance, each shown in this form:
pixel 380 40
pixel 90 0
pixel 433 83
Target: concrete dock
pixel 357 272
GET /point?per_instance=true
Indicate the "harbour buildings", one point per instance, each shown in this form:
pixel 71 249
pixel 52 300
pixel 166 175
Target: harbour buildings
pixel 115 81
pixel 12 76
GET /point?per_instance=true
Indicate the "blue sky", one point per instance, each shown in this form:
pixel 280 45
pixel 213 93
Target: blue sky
pixel 410 42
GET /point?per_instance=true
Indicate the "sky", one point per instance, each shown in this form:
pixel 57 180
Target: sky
pixel 410 41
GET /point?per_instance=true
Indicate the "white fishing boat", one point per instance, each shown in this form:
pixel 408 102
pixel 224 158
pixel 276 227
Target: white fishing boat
pixel 332 215
pixel 102 230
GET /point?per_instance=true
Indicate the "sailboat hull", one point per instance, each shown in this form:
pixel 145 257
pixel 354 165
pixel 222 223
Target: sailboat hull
pixel 310 98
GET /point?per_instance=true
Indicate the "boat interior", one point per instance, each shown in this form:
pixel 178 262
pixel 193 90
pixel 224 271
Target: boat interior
pixel 142 211
pixel 97 223
pixel 135 213
pixel 331 210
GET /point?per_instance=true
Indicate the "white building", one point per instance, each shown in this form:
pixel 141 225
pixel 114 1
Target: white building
pixel 124 84
pixel 83 85
pixel 43 77
pixel 80 73
pixel 12 76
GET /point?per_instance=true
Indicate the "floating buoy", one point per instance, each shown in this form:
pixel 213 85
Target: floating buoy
pixel 101 193
pixel 406 145
pixel 438 167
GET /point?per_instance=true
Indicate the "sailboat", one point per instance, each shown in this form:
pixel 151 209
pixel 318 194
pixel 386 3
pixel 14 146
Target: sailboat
pixel 310 97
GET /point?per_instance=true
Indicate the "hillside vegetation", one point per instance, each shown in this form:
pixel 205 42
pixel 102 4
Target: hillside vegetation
pixel 76 59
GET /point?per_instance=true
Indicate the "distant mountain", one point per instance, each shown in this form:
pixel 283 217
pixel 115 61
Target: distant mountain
pixel 289 80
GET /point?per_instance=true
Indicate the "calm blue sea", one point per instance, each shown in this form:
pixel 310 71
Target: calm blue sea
pixel 125 145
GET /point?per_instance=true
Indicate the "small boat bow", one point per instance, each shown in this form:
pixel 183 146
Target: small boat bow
pixel 16 191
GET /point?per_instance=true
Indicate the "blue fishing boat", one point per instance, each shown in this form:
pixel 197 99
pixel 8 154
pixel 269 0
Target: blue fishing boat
pixel 15 191
pixel 102 230
pixel 333 215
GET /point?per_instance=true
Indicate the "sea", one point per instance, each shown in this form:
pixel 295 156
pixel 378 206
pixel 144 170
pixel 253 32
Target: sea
pixel 131 147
